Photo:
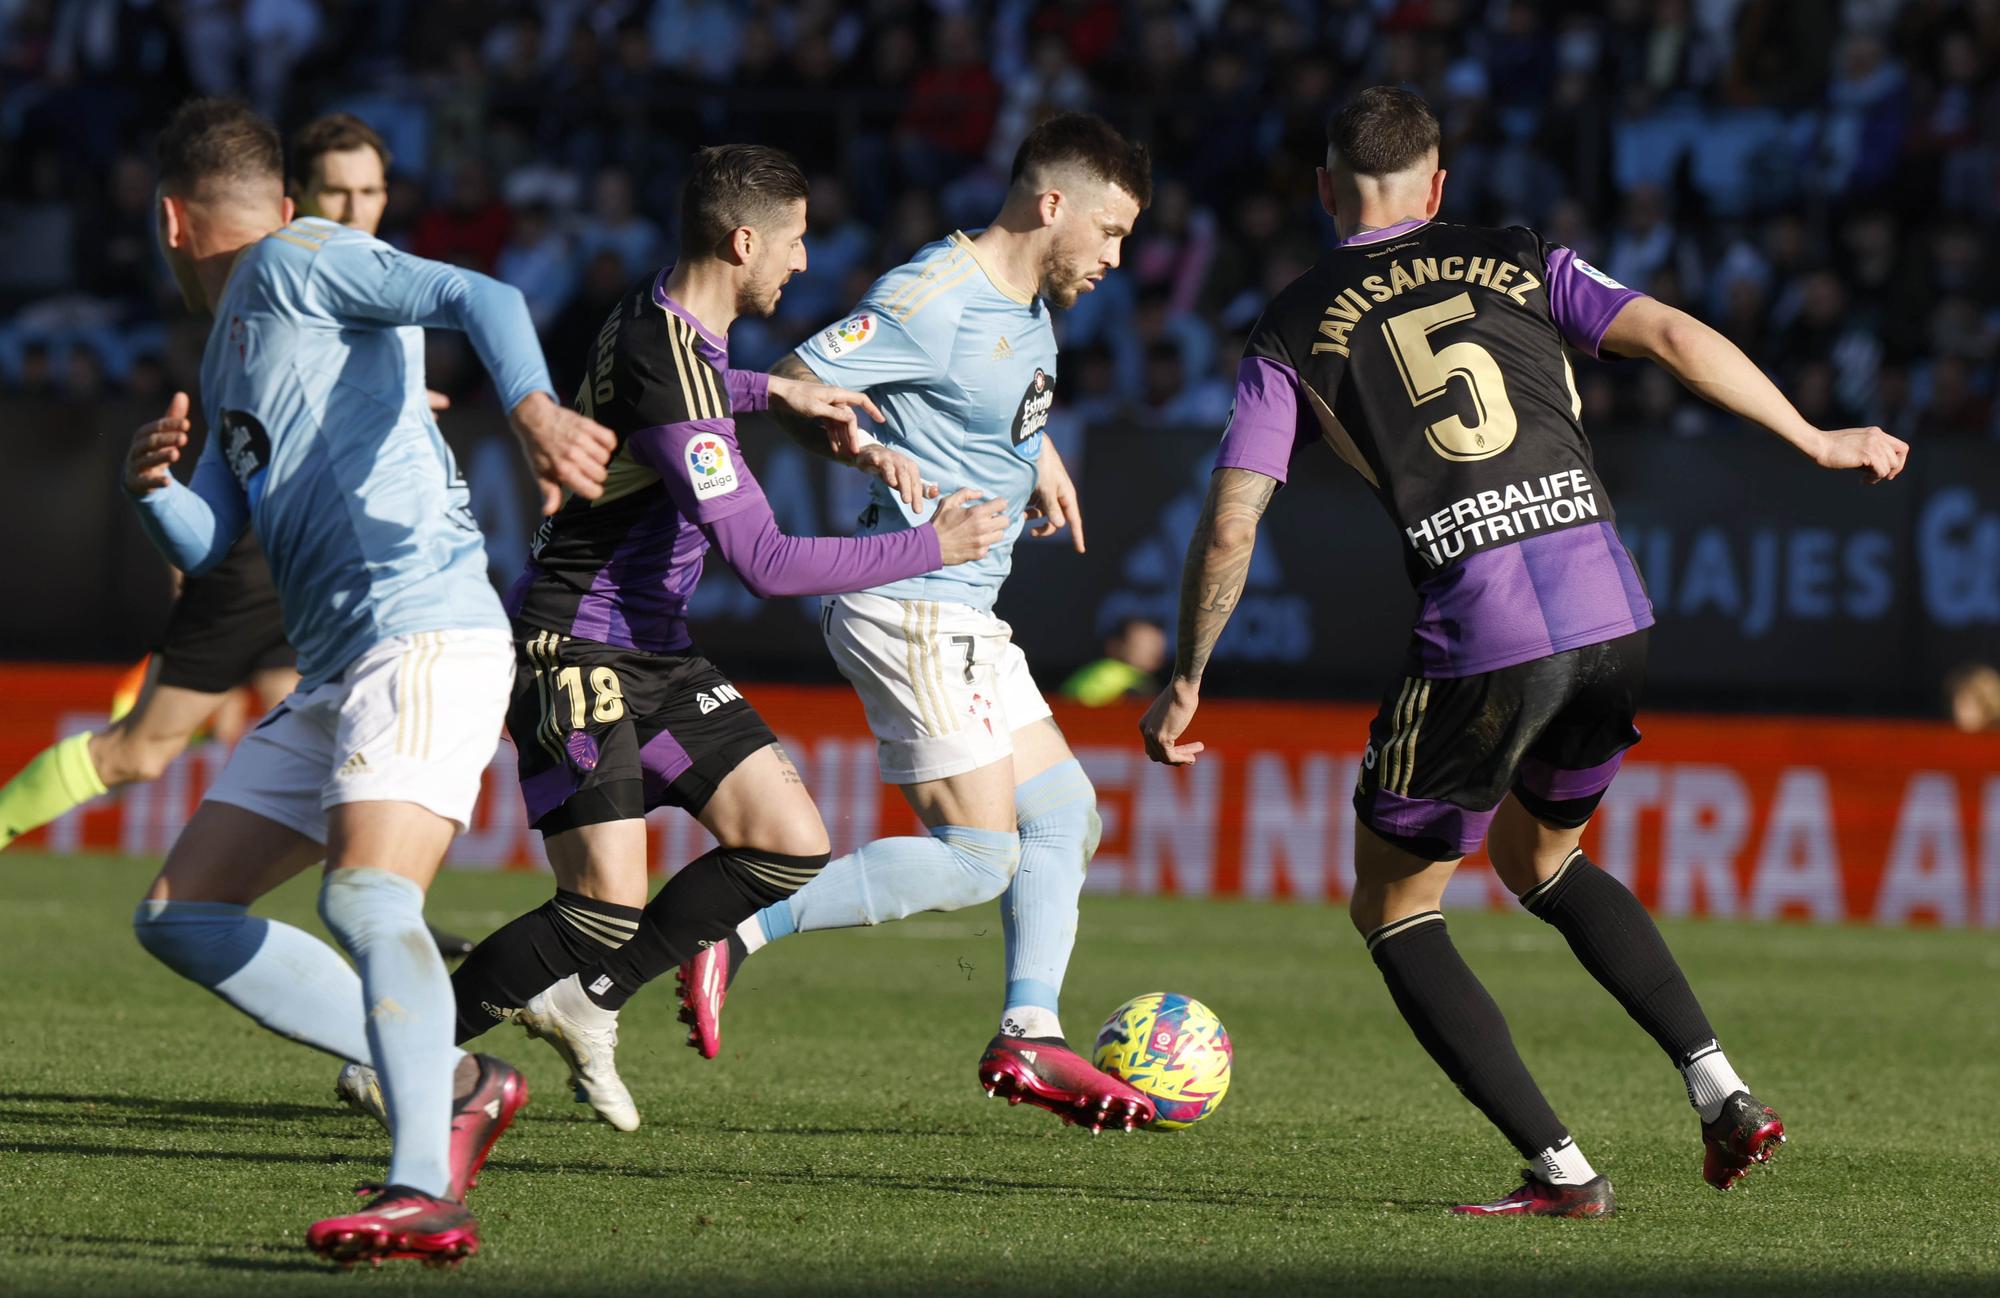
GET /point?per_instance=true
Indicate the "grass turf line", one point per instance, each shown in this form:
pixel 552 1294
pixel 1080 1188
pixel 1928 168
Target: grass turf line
pixel 152 1140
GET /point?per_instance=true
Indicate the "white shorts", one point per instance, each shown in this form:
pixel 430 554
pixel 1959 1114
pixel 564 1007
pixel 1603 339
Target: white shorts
pixel 943 684
pixel 415 719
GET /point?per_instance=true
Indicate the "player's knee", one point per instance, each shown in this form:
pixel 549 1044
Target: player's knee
pixel 769 875
pixel 987 861
pixel 1060 806
pixel 205 942
pixel 124 758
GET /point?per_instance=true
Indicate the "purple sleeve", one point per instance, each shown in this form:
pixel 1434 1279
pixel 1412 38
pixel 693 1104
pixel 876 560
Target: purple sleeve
pixel 749 390
pixel 771 563
pixel 1266 422
pixel 704 473
pixel 700 465
pixel 1583 299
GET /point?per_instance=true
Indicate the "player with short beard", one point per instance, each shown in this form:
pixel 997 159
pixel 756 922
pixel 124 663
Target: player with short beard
pixel 1430 357
pixel 614 710
pixel 957 348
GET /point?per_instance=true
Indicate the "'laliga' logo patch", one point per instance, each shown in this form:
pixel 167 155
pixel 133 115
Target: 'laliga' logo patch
pixel 709 468
pixel 1596 274
pixel 853 332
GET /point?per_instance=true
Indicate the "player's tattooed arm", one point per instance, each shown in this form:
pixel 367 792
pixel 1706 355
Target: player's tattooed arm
pixel 1212 581
pixel 794 391
pixel 1218 564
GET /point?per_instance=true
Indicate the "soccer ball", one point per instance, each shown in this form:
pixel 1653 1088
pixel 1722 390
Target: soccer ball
pixel 1172 1048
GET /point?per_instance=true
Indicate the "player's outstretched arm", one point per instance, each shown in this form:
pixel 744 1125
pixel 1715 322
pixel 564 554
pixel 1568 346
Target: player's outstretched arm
pixel 1212 580
pixel 773 564
pixel 820 418
pixel 1718 372
pixel 367 281
pixel 194 526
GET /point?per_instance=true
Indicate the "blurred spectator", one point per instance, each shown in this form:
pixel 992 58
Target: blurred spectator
pixel 1972 697
pixel 471 227
pixel 1133 653
pixel 538 260
pixel 614 224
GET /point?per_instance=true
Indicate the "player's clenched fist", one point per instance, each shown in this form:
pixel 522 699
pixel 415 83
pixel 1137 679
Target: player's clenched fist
pixel 1877 455
pixel 156 446
pixel 566 451
pixel 967 530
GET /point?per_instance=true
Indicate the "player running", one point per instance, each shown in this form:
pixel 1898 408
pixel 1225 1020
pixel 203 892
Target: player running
pixel 956 346
pixel 322 438
pixel 614 711
pixel 1430 358
pixel 225 630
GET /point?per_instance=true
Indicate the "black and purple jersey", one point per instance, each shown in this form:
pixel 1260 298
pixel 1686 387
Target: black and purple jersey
pixel 1430 358
pixel 619 570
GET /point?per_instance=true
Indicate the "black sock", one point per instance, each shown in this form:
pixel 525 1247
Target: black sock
pixel 1461 1027
pixel 544 946
pixel 1617 941
pixel 703 903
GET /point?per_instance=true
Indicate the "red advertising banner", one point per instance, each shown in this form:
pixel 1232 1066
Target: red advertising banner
pixel 1889 822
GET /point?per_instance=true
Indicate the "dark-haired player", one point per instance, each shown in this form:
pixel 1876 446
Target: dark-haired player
pixel 1430 358
pixel 615 712
pixel 322 437
pixel 957 348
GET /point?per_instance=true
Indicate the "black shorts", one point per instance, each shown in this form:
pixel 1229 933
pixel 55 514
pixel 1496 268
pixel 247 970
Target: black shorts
pixel 1443 753
pixel 609 734
pixel 226 626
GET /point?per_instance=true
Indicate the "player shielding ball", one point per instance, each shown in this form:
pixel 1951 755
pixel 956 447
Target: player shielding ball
pixel 323 439
pixel 957 349
pixel 1430 358
pixel 615 711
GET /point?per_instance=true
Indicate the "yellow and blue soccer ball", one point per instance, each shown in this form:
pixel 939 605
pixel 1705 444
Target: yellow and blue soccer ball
pixel 1173 1049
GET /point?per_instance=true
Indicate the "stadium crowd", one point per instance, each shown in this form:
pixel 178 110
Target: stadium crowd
pixel 1811 176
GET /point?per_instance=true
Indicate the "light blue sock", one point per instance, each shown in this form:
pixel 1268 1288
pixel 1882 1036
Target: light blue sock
pixel 954 868
pixel 379 917
pixel 1057 812
pixel 286 979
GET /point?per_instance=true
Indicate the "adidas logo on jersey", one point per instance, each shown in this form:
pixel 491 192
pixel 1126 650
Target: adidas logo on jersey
pixel 709 700
pixel 1002 349
pixel 354 765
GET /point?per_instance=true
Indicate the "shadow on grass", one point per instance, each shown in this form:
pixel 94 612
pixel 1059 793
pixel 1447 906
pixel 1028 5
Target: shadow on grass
pixel 250 1255
pixel 84 1149
pixel 185 1108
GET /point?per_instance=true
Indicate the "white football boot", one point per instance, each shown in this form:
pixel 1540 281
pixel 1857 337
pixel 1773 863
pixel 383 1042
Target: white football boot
pixel 587 1039
pixel 361 1090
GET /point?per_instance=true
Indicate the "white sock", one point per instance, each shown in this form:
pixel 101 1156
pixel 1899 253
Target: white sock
pixel 1710 1081
pixel 1565 1165
pixel 752 932
pixel 1029 1021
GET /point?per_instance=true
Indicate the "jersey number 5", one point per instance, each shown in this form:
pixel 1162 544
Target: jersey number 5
pixel 1427 374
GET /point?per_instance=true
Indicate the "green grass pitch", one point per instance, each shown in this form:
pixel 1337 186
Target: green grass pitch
pixel 154 1141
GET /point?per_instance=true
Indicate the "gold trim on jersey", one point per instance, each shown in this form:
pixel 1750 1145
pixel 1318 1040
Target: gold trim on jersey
pixel 295 241
pixel 1007 290
pixel 698 386
pixel 1335 434
pixel 951 263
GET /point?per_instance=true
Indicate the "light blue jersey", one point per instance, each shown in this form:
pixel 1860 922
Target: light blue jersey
pixel 964 369
pixel 320 435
